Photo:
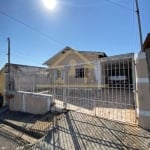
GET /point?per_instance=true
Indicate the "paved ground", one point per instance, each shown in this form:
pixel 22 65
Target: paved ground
pixel 19 129
pixel 7 142
pixel 75 131
pixel 123 115
pixel 72 131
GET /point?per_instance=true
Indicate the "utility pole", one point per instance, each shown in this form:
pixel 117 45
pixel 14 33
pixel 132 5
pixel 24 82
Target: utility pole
pixel 8 39
pixel 139 24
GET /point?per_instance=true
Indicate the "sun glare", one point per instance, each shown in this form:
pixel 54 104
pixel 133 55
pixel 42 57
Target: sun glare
pixel 50 4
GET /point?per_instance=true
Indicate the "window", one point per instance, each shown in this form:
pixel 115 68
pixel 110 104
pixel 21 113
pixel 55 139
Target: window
pixel 79 73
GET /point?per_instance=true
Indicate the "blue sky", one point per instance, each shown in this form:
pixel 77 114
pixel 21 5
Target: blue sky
pixel 37 33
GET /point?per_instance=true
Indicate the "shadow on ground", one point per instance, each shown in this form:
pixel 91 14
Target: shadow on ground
pixel 75 131
pixel 18 129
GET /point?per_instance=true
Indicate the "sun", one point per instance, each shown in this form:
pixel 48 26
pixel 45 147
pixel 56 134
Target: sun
pixel 50 4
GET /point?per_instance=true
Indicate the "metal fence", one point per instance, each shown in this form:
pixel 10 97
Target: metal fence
pixel 103 88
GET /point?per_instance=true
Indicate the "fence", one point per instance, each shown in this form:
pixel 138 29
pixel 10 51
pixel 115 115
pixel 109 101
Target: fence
pixel 104 88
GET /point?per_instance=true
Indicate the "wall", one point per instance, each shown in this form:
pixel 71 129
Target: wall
pixel 31 102
pixel 3 85
pixel 2 82
pixel 67 73
pixel 67 57
pixel 26 77
pixel 148 61
pixel 142 91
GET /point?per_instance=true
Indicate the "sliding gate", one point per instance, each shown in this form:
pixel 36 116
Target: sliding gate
pixel 104 88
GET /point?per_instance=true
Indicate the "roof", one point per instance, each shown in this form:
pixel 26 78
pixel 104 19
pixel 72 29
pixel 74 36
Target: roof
pixel 57 54
pixel 20 65
pixel 93 52
pixel 67 48
pixel 146 44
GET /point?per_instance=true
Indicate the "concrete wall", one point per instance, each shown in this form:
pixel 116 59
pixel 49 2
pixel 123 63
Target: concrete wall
pixel 3 85
pixel 27 77
pixel 31 102
pixel 2 82
pixel 143 91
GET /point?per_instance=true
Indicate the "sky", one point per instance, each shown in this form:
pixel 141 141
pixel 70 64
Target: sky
pixel 37 33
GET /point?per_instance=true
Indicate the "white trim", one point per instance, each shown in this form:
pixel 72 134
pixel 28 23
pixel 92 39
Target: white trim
pixel 142 80
pixel 23 101
pixel 32 93
pixel 97 67
pixel 48 104
pixel 141 55
pixel 137 111
pixel 144 113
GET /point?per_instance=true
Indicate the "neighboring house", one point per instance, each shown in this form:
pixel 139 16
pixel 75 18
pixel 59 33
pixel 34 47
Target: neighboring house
pixel 70 56
pixel 146 45
pixel 70 65
pixel 22 77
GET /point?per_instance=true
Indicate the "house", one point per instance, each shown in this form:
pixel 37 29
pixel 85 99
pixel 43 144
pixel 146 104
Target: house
pixel 70 65
pixel 91 82
pixel 22 78
pixel 146 45
pixel 89 69
pixel 70 56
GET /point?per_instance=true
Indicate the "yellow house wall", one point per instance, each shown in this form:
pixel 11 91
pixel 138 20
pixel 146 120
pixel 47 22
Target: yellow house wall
pixel 91 57
pixel 66 59
pixel 72 60
pixel 2 82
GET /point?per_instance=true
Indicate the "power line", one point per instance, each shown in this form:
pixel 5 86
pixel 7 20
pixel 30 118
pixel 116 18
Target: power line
pixel 120 5
pixel 82 4
pixel 23 57
pixel 3 53
pixel 45 35
pixel 2 38
pixel 31 28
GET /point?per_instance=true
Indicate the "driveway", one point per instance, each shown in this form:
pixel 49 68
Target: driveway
pixel 70 131
pixel 75 131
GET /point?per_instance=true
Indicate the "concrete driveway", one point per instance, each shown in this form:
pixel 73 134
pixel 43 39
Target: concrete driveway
pixel 75 131
pixel 70 131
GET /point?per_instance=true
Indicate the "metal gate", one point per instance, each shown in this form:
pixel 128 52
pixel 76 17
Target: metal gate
pixel 103 88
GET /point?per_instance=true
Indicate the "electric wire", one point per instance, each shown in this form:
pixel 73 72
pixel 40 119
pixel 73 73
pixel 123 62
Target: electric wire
pixel 31 28
pixel 120 5
pixel 28 58
pixel 47 36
